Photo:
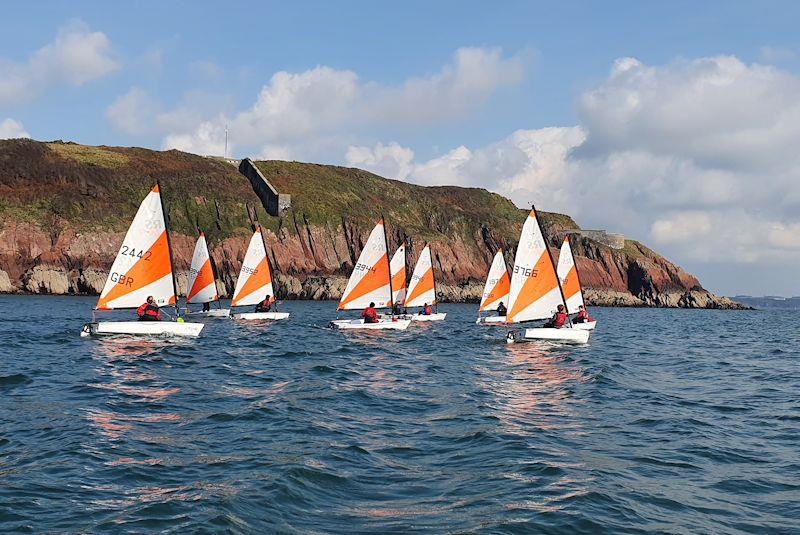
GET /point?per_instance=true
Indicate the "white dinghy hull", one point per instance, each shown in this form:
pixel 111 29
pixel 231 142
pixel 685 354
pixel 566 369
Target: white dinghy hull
pixel 588 326
pixel 213 313
pixel 162 329
pixel 439 316
pixel 491 320
pixel 260 316
pixel 383 323
pixel 564 335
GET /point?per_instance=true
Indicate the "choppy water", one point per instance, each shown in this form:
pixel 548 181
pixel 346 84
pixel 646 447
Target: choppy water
pixel 673 421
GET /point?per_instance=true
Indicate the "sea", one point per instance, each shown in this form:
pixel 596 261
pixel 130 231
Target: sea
pixel 668 421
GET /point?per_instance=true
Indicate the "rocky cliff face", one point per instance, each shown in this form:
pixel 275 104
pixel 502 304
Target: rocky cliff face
pixel 64 209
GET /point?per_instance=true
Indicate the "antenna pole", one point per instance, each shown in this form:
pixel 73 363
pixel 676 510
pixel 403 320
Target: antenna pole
pixel 226 141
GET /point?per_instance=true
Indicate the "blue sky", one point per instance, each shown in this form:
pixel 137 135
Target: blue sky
pixel 534 100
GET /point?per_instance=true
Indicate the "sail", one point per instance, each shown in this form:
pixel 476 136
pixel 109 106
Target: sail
pixel 370 281
pixel 568 275
pixel 255 280
pixel 398 269
pixel 422 288
pixel 202 287
pixel 142 267
pixel 497 284
pixel 534 293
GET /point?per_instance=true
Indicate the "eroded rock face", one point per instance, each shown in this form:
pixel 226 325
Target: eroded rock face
pixel 315 262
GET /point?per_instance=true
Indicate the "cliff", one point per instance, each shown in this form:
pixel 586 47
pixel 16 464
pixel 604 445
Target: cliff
pixel 64 209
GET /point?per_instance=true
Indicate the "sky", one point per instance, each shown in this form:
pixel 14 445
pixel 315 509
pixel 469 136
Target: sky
pixel 675 123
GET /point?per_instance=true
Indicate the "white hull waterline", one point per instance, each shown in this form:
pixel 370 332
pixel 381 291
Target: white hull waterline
pixel 383 323
pixel 260 316
pixel 565 335
pixel 213 313
pixel 491 320
pixel 588 326
pixel 142 328
pixel 439 316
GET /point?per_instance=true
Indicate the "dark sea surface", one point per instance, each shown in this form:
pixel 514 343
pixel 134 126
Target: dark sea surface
pixel 674 421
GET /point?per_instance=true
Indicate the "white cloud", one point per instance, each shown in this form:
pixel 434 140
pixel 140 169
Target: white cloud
pixel 295 107
pixel 777 54
pixel 391 161
pixel 698 157
pixel 10 129
pixel 75 57
pixel 132 112
pixel 207 139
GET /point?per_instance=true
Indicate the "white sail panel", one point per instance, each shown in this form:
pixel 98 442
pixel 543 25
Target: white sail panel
pixel 370 281
pixel 255 280
pixel 142 267
pixel 497 284
pixel 568 276
pixel 534 292
pixel 202 286
pixel 422 287
pixel 398 269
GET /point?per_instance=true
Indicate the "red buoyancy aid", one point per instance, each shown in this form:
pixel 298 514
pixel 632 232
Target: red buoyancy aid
pixel 370 315
pixel 148 312
pixel 583 314
pixel 559 320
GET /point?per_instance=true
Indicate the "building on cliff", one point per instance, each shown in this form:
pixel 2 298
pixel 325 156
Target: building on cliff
pixel 274 203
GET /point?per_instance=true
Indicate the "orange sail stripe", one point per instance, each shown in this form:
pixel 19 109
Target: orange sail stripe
pixel 501 287
pixel 257 279
pixel 425 284
pixel 541 280
pixel 399 280
pixel 203 279
pixel 148 269
pixel 570 284
pixel 377 277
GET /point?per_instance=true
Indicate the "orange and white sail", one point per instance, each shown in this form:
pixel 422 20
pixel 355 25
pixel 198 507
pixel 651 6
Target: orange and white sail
pixel 370 281
pixel 398 268
pixel 568 275
pixel 202 286
pixel 497 284
pixel 255 279
pixel 422 288
pixel 534 292
pixel 142 267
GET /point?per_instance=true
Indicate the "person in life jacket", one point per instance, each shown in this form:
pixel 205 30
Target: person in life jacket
pixel 558 319
pixel 582 316
pixel 265 305
pixel 206 306
pixel 369 314
pixel 149 310
pixel 427 310
pixel 397 309
pixel 501 309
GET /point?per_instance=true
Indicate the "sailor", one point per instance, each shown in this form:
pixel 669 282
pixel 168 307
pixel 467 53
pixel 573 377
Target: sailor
pixel 427 310
pixel 265 305
pixel 582 316
pixel 558 319
pixel 149 310
pixel 369 314
pixel 501 309
pixel 206 306
pixel 397 309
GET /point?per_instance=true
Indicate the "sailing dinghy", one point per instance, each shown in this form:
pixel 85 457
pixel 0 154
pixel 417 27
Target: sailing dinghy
pixel 370 282
pixel 535 292
pixel 255 282
pixel 202 283
pixel 397 266
pixel 142 268
pixel 495 291
pixel 422 288
pixel 571 283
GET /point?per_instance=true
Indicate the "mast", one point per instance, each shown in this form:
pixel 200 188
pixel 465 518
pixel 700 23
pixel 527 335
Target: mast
pixel 552 263
pixel 213 268
pixel 435 292
pixel 269 262
pixel 388 266
pixel 169 247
